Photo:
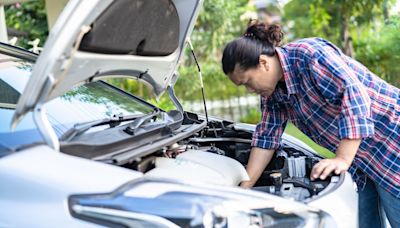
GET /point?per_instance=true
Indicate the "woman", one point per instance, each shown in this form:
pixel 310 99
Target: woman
pixel 333 99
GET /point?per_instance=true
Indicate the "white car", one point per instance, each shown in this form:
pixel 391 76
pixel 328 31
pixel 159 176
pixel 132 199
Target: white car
pixel 83 153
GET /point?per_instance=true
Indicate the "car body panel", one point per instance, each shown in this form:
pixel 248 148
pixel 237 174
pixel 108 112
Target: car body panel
pixel 340 203
pixel 36 184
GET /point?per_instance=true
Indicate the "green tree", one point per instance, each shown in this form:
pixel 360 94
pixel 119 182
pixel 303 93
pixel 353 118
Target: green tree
pixel 30 19
pixel 218 23
pixel 379 50
pixel 339 21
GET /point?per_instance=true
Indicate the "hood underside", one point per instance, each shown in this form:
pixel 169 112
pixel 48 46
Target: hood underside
pixel 97 39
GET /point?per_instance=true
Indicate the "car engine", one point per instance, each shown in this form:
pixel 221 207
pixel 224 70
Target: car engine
pixel 222 160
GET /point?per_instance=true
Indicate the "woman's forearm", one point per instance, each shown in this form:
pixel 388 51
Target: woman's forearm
pixel 347 149
pixel 259 159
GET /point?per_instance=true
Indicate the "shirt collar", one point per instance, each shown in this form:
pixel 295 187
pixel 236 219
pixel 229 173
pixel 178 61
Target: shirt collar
pixel 288 73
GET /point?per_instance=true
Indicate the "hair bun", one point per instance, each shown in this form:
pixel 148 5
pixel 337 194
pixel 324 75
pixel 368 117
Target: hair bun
pixel 266 33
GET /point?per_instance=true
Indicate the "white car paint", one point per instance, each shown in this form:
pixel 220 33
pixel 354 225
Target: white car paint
pixel 340 203
pixel 36 184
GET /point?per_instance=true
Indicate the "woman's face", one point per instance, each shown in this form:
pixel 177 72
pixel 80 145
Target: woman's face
pixel 261 80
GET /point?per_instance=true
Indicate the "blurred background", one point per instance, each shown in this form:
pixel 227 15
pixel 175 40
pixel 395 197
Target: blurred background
pixel 367 30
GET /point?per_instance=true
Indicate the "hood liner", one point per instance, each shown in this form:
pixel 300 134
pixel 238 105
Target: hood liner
pixel 156 30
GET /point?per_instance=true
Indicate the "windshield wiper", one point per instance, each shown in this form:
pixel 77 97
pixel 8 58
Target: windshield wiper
pixel 80 128
pixel 131 129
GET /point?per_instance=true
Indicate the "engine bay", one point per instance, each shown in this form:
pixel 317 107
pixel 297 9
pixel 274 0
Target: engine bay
pixel 203 156
pixel 214 152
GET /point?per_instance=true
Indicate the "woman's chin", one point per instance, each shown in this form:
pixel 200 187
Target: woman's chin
pixel 265 94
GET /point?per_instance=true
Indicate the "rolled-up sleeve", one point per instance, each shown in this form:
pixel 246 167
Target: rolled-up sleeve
pixel 269 131
pixel 339 84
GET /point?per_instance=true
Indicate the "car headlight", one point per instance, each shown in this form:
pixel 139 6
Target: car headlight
pixel 161 203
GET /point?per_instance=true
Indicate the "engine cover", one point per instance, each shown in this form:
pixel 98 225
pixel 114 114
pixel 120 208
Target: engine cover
pixel 200 166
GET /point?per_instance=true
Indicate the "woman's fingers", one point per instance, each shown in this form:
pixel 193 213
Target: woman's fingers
pixel 328 169
pixel 318 169
pixel 326 166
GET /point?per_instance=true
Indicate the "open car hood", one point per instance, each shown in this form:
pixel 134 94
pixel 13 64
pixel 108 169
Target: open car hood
pixel 91 40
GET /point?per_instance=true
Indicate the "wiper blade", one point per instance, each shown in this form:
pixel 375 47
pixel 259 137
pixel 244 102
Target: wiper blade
pixel 132 127
pixel 80 128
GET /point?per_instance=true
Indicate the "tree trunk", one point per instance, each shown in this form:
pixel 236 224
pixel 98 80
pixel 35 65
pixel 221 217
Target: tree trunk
pixel 385 11
pixel 345 38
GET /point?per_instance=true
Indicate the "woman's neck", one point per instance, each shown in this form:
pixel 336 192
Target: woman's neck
pixel 276 65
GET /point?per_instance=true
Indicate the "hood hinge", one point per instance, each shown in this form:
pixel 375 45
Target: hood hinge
pixel 45 128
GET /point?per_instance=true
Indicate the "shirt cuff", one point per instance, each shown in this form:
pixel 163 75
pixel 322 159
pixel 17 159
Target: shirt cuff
pixel 265 142
pixel 355 127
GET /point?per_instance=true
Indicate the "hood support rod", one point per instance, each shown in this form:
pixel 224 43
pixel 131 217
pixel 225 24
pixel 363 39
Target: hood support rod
pixel 201 79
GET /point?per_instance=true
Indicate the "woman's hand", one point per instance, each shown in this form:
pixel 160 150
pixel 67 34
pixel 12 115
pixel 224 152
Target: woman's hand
pixel 326 166
pixel 345 153
pixel 246 184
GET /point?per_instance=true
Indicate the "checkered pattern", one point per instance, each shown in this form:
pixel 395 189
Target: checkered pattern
pixel 330 96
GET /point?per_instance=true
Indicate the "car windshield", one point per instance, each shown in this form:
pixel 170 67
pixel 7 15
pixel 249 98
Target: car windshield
pixel 93 101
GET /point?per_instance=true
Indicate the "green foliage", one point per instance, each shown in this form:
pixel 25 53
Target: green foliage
pixel 163 102
pixel 29 18
pixel 132 86
pixel 307 19
pixel 320 19
pixel 252 117
pixel 324 18
pixel 142 90
pixel 218 23
pixel 217 85
pixel 379 50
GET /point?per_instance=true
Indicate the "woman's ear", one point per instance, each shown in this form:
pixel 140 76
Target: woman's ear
pixel 263 61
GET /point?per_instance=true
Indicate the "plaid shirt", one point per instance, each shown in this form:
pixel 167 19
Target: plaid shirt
pixel 330 96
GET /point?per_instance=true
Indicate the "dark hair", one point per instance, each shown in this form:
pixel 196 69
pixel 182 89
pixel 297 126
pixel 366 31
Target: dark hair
pixel 258 39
